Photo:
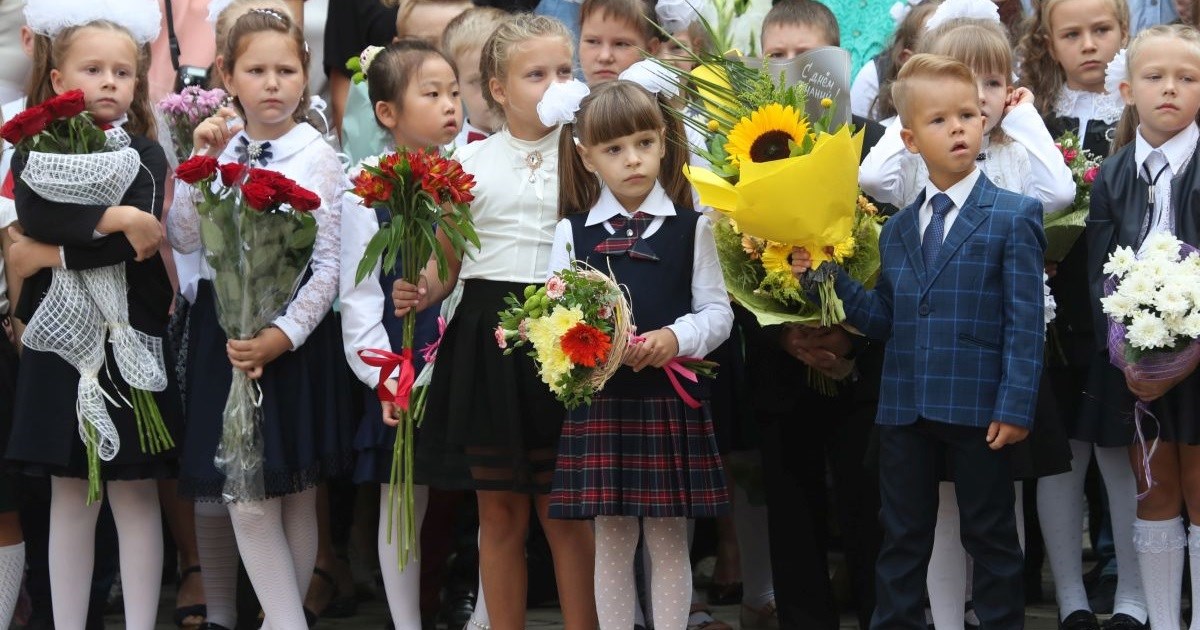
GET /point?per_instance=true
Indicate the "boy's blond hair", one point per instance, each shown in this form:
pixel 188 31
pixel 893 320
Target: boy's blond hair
pixel 925 67
pixel 639 14
pixel 404 8
pixel 470 30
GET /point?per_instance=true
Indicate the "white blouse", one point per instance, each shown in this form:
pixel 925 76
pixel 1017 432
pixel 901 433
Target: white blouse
pixel 302 155
pixel 1087 106
pixel 711 319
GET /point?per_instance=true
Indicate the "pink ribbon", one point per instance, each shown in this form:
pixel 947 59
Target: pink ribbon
pixel 429 353
pixel 1141 409
pixel 387 362
pixel 671 368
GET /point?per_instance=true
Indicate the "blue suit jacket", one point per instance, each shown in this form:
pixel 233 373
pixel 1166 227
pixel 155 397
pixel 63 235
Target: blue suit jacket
pixel 965 338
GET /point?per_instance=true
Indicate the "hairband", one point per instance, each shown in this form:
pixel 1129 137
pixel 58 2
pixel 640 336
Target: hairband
pixel 142 18
pixel 271 12
pixel 1116 73
pixel 652 76
pixel 963 9
pixel 561 101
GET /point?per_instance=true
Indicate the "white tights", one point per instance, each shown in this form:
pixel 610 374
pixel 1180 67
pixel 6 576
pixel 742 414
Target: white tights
pixel 72 549
pixel 217 547
pixel 403 588
pixel 670 585
pixel 278 538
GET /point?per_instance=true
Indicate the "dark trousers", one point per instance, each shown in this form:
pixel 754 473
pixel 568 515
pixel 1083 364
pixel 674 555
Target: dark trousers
pixel 910 460
pixel 796 449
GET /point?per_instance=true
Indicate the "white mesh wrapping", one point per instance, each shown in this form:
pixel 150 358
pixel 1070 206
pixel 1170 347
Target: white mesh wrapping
pixel 139 356
pixel 93 178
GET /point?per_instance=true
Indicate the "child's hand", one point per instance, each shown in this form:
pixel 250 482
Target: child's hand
pixel 1019 96
pixel 143 230
pixel 801 261
pixel 1147 390
pixel 388 408
pixel 1001 434
pixel 250 355
pixel 822 349
pixel 214 132
pixel 659 347
pixel 408 297
pixel 27 256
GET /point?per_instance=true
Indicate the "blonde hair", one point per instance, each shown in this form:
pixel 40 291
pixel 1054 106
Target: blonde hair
pixel 1040 73
pixel 908 32
pixel 980 44
pixel 228 16
pixel 639 14
pixel 923 67
pixel 1127 127
pixel 498 49
pixel 406 7
pixel 470 29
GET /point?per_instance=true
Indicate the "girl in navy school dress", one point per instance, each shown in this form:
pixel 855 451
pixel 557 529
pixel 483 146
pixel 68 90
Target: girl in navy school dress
pixel 102 55
pixel 638 452
pixel 415 93
pixel 297 359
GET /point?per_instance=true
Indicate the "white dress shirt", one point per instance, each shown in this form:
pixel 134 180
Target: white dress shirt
pixel 958 193
pixel 1178 151
pixel 711 319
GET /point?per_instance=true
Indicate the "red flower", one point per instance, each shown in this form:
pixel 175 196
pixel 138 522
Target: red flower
pixel 259 196
pixel 65 105
pixel 302 199
pixel 276 180
pixel 27 124
pixel 231 172
pixel 372 189
pixel 1070 154
pixel 586 345
pixel 196 169
pixel 1089 175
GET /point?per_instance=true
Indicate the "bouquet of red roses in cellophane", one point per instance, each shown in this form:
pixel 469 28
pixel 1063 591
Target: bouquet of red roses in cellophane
pixel 71 160
pixel 425 194
pixel 258 234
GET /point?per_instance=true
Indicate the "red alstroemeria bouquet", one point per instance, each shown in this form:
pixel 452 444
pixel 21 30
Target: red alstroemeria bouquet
pixel 258 234
pixel 425 194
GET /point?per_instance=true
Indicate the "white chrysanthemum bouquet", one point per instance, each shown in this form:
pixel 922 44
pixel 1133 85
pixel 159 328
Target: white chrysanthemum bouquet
pixel 1153 298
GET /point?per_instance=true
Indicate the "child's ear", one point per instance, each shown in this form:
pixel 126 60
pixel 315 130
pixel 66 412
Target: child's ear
pixel 583 157
pixel 910 140
pixel 56 81
pixel 904 55
pixel 387 114
pixel 1126 92
pixel 497 89
pixel 219 66
pixel 654 46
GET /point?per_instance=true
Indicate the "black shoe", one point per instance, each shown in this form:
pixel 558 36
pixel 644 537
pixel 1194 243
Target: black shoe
pixel 457 610
pixel 1080 620
pixel 1121 621
pixel 1103 595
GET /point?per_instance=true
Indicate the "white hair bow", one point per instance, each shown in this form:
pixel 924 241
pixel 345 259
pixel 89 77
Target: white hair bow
pixel 141 18
pixel 900 10
pixel 652 76
pixel 1116 72
pixel 561 101
pixel 966 9
pixel 677 15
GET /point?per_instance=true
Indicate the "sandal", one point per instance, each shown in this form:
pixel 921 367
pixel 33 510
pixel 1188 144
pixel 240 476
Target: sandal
pixel 336 608
pixel 183 613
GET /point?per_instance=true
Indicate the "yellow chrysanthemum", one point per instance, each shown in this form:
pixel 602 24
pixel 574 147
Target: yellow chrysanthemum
pixel 844 250
pixel 714 126
pixel 775 258
pixel 826 102
pixel 544 332
pixel 764 136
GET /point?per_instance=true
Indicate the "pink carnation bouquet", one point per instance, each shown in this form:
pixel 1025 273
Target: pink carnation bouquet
pixel 183 111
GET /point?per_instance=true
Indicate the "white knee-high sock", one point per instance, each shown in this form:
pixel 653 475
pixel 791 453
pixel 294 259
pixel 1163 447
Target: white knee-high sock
pixel 1194 555
pixel 12 573
pixel 1060 513
pixel 1113 462
pixel 671 586
pixel 217 547
pixel 139 534
pixel 72 553
pixel 258 526
pixel 479 616
pixel 616 597
pixel 750 524
pixel 403 588
pixel 947 565
pixel 300 529
pixel 1159 547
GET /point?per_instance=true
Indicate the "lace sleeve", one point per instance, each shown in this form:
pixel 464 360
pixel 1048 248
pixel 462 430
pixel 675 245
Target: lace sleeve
pixel 183 224
pixel 313 300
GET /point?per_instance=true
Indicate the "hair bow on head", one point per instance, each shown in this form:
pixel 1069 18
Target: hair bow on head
pixel 561 101
pixel 652 76
pixel 966 9
pixel 900 10
pixel 142 18
pixel 676 15
pixel 1116 72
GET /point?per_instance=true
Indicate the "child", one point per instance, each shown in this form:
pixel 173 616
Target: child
pixel 1163 63
pixel 613 35
pixel 628 164
pixel 959 299
pixel 415 92
pixel 104 56
pixel 871 92
pixel 294 360
pixel 1065 52
pixel 491 424
pixel 463 44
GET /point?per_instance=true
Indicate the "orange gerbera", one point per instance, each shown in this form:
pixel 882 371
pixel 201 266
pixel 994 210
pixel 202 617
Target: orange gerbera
pixel 586 345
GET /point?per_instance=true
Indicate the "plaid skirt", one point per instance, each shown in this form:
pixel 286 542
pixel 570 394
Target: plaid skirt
pixel 649 457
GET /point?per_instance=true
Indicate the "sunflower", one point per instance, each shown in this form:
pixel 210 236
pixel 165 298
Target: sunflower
pixel 776 258
pixel 764 136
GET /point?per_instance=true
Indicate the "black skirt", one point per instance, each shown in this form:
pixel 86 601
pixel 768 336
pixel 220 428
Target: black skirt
pixel 490 422
pixel 373 442
pixel 8 390
pixel 307 425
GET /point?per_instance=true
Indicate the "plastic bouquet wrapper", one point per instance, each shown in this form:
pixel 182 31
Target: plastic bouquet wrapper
pixel 1152 300
pixel 258 234
pixel 73 161
pixel 580 326
pixel 425 194
pixel 183 111
pixel 1065 226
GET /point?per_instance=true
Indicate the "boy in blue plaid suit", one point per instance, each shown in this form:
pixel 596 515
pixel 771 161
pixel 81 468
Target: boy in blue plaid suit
pixel 959 301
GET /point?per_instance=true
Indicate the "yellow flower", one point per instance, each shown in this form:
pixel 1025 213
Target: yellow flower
pixel 545 332
pixel 826 102
pixel 764 136
pixel 714 126
pixel 775 258
pixel 866 206
pixel 844 250
pixel 750 245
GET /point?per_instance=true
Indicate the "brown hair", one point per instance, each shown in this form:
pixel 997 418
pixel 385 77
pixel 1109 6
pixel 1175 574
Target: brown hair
pixel 48 54
pixel 907 34
pixel 981 44
pixel 498 49
pixel 639 14
pixel 266 21
pixel 925 67
pixel 1127 127
pixel 470 29
pixel 225 20
pixel 803 13
pixel 392 70
pixel 613 110
pixel 1040 73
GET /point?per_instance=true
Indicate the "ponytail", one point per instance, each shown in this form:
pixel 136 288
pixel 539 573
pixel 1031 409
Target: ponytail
pixel 578 188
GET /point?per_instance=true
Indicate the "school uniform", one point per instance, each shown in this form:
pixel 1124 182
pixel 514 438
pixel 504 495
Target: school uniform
pixel 638 449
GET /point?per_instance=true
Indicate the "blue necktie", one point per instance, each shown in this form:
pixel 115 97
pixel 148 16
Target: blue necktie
pixel 931 242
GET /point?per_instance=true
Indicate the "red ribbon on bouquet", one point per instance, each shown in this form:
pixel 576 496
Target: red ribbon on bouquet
pixel 673 366
pixel 387 362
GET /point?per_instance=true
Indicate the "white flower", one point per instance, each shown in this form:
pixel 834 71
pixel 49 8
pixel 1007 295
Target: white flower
pixel 1190 327
pixel 1162 245
pixel 1120 262
pixel 1140 287
pixel 1116 72
pixel 1147 332
pixel 1118 306
pixel 1050 306
pixel 1171 300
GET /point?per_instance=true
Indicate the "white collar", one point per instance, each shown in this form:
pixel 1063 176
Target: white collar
pixel 958 193
pixel 1178 150
pixel 283 147
pixel 1103 106
pixel 657 204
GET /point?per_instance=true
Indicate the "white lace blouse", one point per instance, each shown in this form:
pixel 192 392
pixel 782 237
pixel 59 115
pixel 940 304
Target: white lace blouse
pixel 302 155
pixel 1088 106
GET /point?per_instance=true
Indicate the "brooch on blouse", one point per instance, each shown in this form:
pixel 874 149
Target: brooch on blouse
pixel 533 160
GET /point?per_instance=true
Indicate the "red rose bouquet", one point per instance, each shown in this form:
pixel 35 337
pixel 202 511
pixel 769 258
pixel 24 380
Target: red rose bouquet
pixel 1064 227
pixel 258 234
pixel 425 194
